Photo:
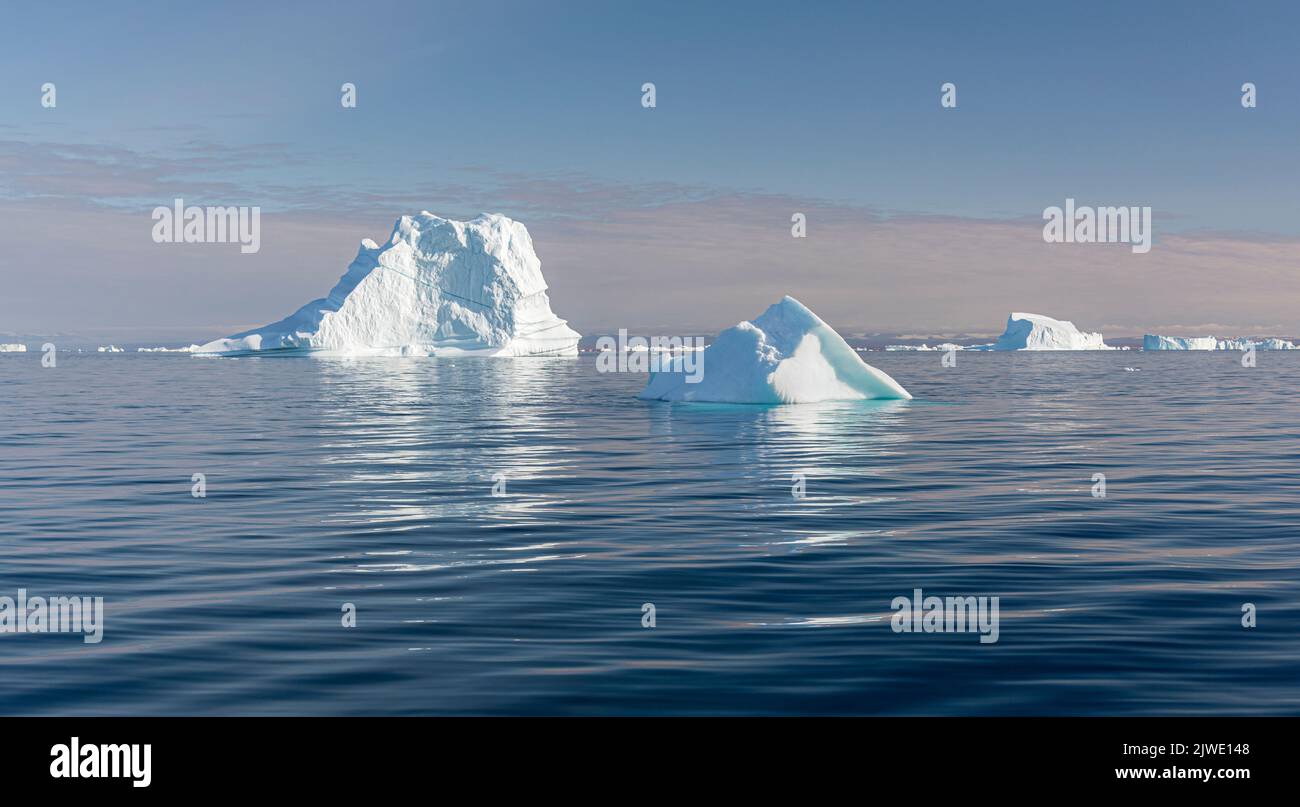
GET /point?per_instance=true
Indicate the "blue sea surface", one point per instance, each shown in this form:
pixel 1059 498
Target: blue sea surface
pixel 371 482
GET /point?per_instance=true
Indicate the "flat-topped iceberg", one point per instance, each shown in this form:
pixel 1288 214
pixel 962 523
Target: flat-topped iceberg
pixel 787 355
pixel 1037 332
pixel 12 348
pixel 436 287
pixel 1157 342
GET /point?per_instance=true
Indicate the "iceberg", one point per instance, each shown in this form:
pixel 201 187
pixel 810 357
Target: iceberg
pixel 14 348
pixel 436 287
pixel 1275 344
pixel 1157 342
pixel 1037 332
pixel 786 356
pixel 1258 344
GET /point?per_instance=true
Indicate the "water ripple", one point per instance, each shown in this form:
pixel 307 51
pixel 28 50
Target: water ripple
pixel 371 483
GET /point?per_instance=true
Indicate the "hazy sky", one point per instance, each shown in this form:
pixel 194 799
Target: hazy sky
pixel 920 219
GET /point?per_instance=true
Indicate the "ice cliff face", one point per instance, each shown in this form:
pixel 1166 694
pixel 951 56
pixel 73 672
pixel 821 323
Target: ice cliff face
pixel 787 355
pixel 1037 332
pixel 437 286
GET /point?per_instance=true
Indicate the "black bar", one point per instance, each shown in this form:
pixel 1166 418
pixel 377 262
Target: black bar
pixel 331 756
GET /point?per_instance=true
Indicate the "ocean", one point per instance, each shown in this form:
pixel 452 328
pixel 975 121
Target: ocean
pixel 525 536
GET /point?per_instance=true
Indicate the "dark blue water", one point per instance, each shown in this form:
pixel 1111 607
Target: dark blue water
pixel 369 482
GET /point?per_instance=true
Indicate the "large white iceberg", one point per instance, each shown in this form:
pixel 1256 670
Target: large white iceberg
pixel 1037 332
pixel 436 287
pixel 787 355
pixel 13 348
pixel 1157 342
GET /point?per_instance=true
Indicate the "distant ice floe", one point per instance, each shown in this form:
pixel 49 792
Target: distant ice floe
pixel 436 287
pixel 190 349
pixel 13 348
pixel 658 349
pixel 1157 342
pixel 788 355
pixel 945 347
pixel 110 349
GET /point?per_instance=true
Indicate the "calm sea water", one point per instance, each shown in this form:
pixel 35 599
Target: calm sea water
pixel 370 482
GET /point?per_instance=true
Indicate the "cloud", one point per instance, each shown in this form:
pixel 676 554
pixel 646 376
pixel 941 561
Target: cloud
pixel 726 258
pixel 646 255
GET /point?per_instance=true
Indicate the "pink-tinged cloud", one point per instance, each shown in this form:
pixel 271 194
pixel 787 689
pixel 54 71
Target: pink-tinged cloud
pixel 659 256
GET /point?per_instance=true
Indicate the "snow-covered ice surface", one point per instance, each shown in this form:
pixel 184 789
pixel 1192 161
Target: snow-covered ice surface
pixel 436 287
pixel 1037 332
pixel 787 355
pixel 13 348
pixel 1157 342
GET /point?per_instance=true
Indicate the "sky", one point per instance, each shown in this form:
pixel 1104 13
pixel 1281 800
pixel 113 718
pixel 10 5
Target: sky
pixel 921 219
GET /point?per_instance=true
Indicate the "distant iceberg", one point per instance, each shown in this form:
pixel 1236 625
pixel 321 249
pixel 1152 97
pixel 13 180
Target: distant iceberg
pixel 1037 332
pixel 436 287
pixel 787 355
pixel 1156 342
pixel 1259 344
pixel 13 348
